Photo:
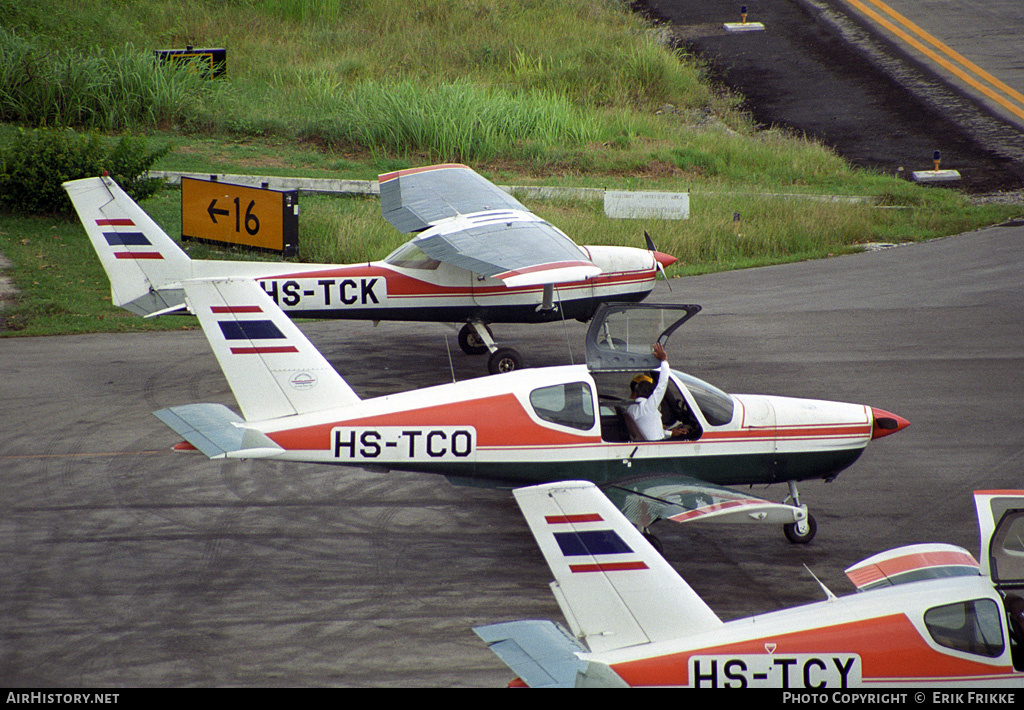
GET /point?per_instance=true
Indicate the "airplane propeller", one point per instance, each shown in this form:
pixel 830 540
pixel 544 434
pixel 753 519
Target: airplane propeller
pixel 659 258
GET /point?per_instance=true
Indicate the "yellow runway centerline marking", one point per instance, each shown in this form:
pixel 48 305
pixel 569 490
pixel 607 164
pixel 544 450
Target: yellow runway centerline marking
pixel 953 60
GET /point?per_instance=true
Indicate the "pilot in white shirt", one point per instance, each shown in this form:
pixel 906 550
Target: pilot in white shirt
pixel 647 397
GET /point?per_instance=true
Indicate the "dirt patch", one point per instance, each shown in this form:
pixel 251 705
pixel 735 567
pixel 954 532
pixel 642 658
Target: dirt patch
pixel 817 72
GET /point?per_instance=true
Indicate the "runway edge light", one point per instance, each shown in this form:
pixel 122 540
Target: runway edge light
pixel 935 175
pixel 743 25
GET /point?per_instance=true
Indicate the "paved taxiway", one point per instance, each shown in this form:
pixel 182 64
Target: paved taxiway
pixel 125 564
pixel 822 68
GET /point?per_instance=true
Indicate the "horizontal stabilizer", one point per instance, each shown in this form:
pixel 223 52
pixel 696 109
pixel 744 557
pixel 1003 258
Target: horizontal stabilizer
pixel 611 584
pixel 684 500
pixel 217 431
pixel 541 653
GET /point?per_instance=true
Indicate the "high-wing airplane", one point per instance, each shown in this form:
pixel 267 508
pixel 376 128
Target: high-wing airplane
pixel 479 257
pixel 923 615
pixel 527 426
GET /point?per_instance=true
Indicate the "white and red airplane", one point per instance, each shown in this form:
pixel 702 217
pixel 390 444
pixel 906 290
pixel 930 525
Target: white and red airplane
pixel 923 615
pixel 479 257
pixel 527 426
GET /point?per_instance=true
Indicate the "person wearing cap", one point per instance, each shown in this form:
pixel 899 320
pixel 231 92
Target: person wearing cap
pixel 647 396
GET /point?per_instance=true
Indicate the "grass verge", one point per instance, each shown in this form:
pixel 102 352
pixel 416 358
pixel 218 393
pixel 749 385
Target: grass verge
pixel 566 92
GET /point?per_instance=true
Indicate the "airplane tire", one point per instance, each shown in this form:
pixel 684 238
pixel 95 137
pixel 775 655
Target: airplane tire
pixel 470 342
pixel 793 536
pixel 504 360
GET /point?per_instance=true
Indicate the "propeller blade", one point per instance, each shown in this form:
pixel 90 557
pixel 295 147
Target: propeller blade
pixel 664 276
pixel 651 248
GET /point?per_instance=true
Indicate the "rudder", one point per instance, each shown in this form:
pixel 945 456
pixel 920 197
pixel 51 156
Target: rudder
pixel 271 366
pixel 614 588
pixel 145 266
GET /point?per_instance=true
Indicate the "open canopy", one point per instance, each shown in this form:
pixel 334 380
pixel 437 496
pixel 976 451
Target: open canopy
pixel 621 334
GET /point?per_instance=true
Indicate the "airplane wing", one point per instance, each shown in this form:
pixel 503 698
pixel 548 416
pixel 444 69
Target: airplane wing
pixel 683 499
pixel 912 563
pixel 417 199
pixel 466 221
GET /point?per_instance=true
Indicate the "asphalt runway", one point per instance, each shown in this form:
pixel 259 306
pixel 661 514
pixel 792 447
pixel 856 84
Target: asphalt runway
pixel 974 44
pixel 822 69
pixel 127 565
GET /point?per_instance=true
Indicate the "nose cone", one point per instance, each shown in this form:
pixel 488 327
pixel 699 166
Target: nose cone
pixel 886 423
pixel 664 259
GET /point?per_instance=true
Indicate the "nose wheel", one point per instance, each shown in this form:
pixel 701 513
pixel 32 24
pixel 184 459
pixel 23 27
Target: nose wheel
pixel 475 338
pixel 802 531
pixel 504 360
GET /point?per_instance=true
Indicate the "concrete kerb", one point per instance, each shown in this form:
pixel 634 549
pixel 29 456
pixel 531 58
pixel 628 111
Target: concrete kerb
pixel 7 289
pixel 330 186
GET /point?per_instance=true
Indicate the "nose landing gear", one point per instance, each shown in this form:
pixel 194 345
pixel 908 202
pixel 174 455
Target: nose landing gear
pixel 802 531
pixel 475 338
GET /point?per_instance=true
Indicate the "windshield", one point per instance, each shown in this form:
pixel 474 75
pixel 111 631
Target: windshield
pixel 714 404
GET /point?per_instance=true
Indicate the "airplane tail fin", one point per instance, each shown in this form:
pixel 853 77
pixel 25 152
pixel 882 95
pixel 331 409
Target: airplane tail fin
pixel 614 588
pixel 144 265
pixel 272 368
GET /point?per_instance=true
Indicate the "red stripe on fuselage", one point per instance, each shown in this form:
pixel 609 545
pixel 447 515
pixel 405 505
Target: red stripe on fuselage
pixel 499 421
pixel 890 648
pixel 123 222
pixel 404 286
pixel 831 431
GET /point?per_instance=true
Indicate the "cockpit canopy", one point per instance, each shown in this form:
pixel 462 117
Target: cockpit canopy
pixel 621 334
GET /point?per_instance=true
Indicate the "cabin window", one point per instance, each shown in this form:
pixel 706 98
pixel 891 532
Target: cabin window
pixel 410 256
pixel 570 405
pixel 972 626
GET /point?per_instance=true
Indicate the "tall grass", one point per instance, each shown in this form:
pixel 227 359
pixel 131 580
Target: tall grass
pixel 460 120
pixel 109 90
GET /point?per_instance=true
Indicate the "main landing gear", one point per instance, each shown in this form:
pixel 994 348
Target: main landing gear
pixel 802 531
pixel 475 338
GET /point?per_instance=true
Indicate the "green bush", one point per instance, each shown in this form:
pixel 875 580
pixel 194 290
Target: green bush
pixel 38 161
